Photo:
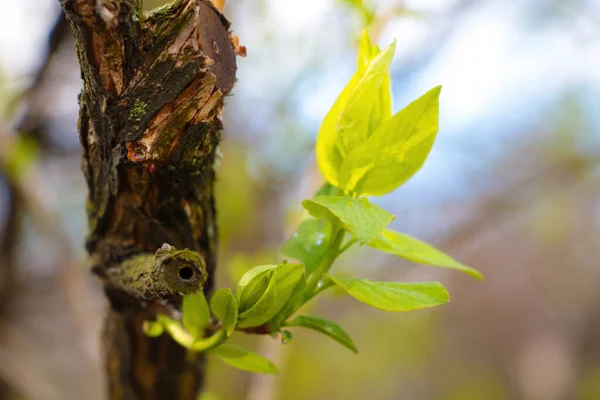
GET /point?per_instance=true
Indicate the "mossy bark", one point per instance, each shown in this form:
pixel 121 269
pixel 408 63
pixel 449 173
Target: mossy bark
pixel 149 125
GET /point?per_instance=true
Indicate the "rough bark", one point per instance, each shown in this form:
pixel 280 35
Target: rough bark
pixel 149 125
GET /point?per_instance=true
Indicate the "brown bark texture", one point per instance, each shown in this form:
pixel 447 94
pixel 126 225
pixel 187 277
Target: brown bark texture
pixel 149 125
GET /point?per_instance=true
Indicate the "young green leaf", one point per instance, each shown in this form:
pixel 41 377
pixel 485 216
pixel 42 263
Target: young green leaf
pixel 249 276
pixel 326 327
pixel 255 288
pixel 395 151
pixel 364 219
pixel 392 296
pixel 258 314
pixel 153 328
pixel 415 250
pixel 364 103
pixel 310 242
pixel 196 315
pixel 224 306
pixel 281 286
pixel 291 306
pixel 244 359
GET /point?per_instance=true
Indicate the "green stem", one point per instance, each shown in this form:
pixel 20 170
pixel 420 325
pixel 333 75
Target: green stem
pixel 348 245
pixel 325 284
pixel 330 256
pixel 181 336
pixel 176 331
pixel 210 342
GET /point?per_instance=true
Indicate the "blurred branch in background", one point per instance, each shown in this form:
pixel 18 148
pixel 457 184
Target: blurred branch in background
pixel 18 161
pixel 34 101
pixel 8 246
pixel 496 209
pixel 20 376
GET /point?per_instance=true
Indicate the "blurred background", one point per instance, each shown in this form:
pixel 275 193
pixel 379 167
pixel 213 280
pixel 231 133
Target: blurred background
pixel 512 187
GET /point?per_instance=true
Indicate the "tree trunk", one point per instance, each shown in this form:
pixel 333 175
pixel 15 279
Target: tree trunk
pixel 149 124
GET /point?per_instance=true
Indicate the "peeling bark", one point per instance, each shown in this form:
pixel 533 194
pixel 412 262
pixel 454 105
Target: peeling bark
pixel 149 125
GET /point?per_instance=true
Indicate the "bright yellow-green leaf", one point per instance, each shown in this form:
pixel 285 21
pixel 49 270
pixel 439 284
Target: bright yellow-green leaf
pixel 368 105
pixel 244 359
pixel 281 286
pixel 366 51
pixel 224 306
pixel 196 315
pixel 362 106
pixel 362 218
pixel 395 151
pixel 392 296
pixel 153 328
pixel 326 327
pixel 415 250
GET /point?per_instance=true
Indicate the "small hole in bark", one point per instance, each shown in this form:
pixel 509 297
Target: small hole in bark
pixel 186 273
pixel 215 47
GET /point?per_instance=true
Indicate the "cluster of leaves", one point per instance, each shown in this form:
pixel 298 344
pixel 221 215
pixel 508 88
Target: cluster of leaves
pixel 362 150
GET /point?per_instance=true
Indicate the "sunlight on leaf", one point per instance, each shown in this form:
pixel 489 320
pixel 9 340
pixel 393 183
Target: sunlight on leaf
pixel 360 108
pixel 395 151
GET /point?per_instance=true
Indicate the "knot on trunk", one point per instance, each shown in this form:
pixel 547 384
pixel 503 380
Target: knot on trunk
pixel 169 272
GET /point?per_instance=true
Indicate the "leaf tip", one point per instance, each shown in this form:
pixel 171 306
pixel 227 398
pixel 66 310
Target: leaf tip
pixel 436 90
pixel 271 368
pixel 445 295
pixel 472 272
pixel 477 275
